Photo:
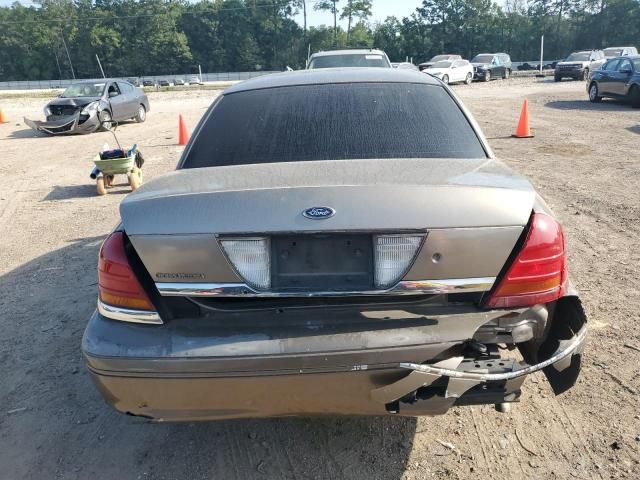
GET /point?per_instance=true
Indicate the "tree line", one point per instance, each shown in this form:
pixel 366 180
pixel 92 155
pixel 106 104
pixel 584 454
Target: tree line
pixel 61 38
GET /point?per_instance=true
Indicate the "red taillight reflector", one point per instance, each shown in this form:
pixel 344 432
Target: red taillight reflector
pixel 117 283
pixel 538 273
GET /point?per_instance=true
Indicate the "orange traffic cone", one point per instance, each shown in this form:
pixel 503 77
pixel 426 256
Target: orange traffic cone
pixel 183 135
pixel 523 130
pixel 3 117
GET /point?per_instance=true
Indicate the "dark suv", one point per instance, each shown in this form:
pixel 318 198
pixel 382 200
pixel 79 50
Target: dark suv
pixel 618 78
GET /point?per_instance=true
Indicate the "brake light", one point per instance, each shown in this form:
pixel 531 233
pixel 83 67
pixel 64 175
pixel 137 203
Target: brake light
pixel 538 273
pixel 117 283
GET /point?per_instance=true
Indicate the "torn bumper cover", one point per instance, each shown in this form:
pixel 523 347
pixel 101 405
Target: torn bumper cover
pixel 503 376
pixel 67 124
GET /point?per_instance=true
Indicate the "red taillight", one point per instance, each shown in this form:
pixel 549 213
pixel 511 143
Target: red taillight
pixel 538 273
pixel 117 284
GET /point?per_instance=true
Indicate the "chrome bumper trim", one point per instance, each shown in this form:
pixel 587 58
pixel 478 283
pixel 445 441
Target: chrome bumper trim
pixel 127 315
pixel 405 287
pixel 564 351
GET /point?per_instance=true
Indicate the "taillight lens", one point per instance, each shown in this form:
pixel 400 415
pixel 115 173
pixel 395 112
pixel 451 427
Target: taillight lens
pixel 538 273
pixel 117 283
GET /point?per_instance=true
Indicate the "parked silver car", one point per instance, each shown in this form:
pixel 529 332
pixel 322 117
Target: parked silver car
pixel 85 106
pixel 332 242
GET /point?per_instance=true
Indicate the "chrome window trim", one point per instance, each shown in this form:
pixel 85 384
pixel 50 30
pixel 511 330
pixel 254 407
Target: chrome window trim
pixel 128 315
pixel 405 287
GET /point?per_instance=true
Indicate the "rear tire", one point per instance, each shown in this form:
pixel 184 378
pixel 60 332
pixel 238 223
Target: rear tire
pixel 445 79
pixel 142 114
pixel 100 187
pixel 593 93
pixel 556 78
pixel 634 96
pixel 469 79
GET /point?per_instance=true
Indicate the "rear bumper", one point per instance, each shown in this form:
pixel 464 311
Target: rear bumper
pixel 414 365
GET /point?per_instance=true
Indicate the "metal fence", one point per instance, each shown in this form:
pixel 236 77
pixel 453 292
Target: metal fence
pixel 206 77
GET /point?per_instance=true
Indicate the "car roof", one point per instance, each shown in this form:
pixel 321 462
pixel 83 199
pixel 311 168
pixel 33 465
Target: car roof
pixel 333 75
pixel 351 51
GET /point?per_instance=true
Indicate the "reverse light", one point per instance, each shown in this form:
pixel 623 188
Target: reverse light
pixel 393 255
pixel 117 283
pixel 250 258
pixel 539 271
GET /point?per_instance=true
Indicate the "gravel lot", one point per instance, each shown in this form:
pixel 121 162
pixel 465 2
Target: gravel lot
pixel 53 424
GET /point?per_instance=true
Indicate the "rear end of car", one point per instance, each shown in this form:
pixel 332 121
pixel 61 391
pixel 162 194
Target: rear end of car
pixel 299 264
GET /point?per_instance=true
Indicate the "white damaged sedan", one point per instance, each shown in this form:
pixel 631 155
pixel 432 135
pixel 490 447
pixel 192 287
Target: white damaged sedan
pixel 452 71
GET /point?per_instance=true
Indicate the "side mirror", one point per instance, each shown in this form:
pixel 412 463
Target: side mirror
pixel 113 94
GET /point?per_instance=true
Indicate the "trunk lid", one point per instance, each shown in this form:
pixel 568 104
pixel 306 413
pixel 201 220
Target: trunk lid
pixel 367 195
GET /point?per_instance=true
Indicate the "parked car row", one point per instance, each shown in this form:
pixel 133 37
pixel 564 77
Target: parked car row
pixel 578 65
pixel 166 82
pixel 483 67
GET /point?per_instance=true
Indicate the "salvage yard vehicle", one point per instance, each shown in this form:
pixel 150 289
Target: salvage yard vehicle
pixel 356 57
pixel 438 58
pixel 618 78
pixel 452 71
pixel 579 64
pixel 304 261
pixel 489 66
pixel 85 106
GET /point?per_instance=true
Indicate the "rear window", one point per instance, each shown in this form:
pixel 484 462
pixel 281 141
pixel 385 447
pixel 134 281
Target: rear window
pixel 333 122
pixel 349 60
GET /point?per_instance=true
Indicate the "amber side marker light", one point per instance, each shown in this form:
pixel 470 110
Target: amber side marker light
pixel 538 272
pixel 117 283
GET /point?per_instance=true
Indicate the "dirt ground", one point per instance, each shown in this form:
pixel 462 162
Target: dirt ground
pixel 53 424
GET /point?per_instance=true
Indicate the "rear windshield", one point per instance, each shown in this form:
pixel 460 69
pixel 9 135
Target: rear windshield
pixel 333 122
pixel 350 60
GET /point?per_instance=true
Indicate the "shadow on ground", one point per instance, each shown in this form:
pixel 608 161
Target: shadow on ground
pixel 26 133
pixel 634 129
pixel 605 105
pixel 66 192
pixel 59 424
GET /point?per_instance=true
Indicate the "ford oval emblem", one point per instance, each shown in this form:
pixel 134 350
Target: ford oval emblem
pixel 319 213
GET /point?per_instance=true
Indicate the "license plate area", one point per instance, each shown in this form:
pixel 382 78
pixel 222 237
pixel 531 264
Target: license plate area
pixel 321 263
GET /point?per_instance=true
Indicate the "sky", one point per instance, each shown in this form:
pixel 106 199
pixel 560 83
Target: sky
pixel 381 10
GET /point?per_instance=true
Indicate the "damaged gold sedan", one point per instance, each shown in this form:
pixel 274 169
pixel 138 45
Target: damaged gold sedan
pixel 332 242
